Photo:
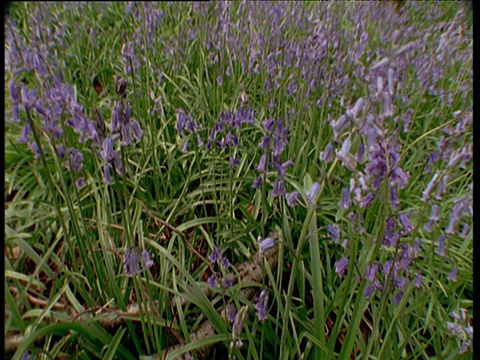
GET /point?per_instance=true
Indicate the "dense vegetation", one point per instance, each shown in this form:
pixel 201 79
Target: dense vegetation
pixel 238 179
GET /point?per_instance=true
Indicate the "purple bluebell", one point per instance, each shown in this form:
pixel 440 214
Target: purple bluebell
pixel 212 281
pixel 23 139
pixel 406 223
pixel 367 200
pixel 181 120
pixel 368 291
pixel 117 115
pixel 341 266
pixel 433 217
pixel 344 155
pixel 79 183
pixel 361 153
pixel 371 271
pixel 265 142
pixel 398 297
pixel 126 136
pixel 262 165
pixel 227 283
pixel 107 178
pixel 117 161
pixel 265 244
pixel 340 124
pixel 131 262
pixel 234 162
pixel 311 194
pixel 453 275
pixel 394 201
pixel 292 198
pixel 354 218
pixel 455 214
pixel 257 183
pixel 137 130
pixel 147 262
pixel 327 154
pixel 334 232
pixel 261 306
pixel 107 152
pixel 430 186
pixel 75 158
pixel 278 187
pixel 464 232
pixel 440 245
pixel 216 255
pixel 282 168
pixel 225 263
pixel 418 281
pixel 345 200
pixel 268 125
pixel 185 147
pixel 399 177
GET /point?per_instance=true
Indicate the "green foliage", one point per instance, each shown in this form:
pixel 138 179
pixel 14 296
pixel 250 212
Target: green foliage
pixel 67 288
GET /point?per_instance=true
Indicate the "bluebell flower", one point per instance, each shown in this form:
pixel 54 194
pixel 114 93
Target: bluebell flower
pixel 268 125
pixel 367 200
pixel 311 195
pixel 265 244
pixel 453 275
pixel 265 142
pixel 234 162
pixel 185 147
pixel 137 131
pixel 361 153
pixel 225 263
pixel 227 283
pixel 282 168
pixel 327 154
pixel 23 139
pixel 107 178
pixel 79 182
pixel 344 155
pixel 181 120
pixel 371 271
pixel 147 262
pixel 107 149
pixel 368 291
pixel 216 255
pixel 278 187
pixel 292 198
pixel 440 242
pixel 430 186
pixel 398 297
pixel 418 281
pixel 131 262
pixel 76 159
pixel 345 200
pixel 334 232
pixel 257 183
pixel 261 306
pixel 211 281
pixel 406 223
pixel 341 266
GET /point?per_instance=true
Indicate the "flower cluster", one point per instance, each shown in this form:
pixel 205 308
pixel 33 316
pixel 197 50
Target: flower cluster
pixel 396 270
pixel 214 280
pixel 462 329
pixel 273 144
pixel 185 122
pixel 229 124
pixel 131 261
